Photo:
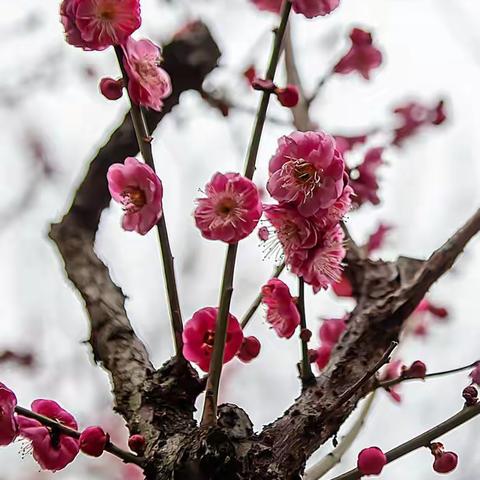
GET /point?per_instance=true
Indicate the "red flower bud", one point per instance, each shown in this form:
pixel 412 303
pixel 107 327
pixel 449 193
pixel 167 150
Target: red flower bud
pixel 249 349
pixel 416 370
pixel 371 461
pixel 136 443
pixel 288 96
pixel 111 89
pixel 470 394
pixel 305 335
pixel 263 85
pixel 445 462
pixel 250 74
pixel 93 441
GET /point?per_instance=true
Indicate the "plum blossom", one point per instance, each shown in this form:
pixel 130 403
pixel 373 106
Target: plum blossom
pixel 413 116
pixel 148 83
pixel 8 424
pixel 371 461
pixel 51 449
pixel 93 441
pixel 363 178
pixel 307 171
pixel 231 209
pixel 362 56
pixel 329 333
pixel 98 24
pixel 321 265
pixel 282 311
pixel 111 89
pixel 138 189
pixel 377 238
pixel 249 349
pixel 199 336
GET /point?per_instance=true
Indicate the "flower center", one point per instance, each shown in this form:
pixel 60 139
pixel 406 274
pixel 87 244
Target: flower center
pixel 209 338
pixel 133 199
pixel 301 176
pixel 226 207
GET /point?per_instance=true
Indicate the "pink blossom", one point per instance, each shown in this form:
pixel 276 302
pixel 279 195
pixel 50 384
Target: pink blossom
pixel 307 171
pixel 323 354
pixel 332 329
pixel 329 217
pixel 51 449
pixel 364 182
pixel 93 441
pixel 343 288
pixel 314 8
pixel 98 24
pixel 231 209
pixel 371 461
pixel 282 311
pixel 111 88
pixel 377 238
pixel 475 374
pixel 199 336
pixel 362 56
pixel 413 116
pixel 138 189
pixel 345 144
pixel 249 349
pixel 8 425
pixel 148 83
pixel 288 96
pixel 321 266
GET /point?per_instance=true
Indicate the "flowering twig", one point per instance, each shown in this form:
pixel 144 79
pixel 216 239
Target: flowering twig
pixel 395 381
pixel 422 440
pixel 322 467
pixel 144 144
pixel 306 373
pixel 258 300
pixel 216 364
pixel 127 457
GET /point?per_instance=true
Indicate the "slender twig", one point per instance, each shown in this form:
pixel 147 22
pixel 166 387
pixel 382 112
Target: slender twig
pixel 320 84
pixel 144 144
pixel 345 396
pixel 258 300
pixel 395 381
pixel 209 416
pixel 306 373
pixel 323 466
pixel 422 440
pixel 127 457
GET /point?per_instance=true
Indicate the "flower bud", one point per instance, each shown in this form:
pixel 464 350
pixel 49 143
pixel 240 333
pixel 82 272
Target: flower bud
pixel 305 335
pixel 416 370
pixel 288 96
pixel 371 461
pixel 263 85
pixel 136 443
pixel 470 394
pixel 249 349
pixel 93 441
pixel 111 89
pixel 445 462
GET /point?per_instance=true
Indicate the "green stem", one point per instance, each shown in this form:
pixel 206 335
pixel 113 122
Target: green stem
pixel 144 144
pixel 422 440
pixel 209 416
pixel 258 300
pixel 306 373
pixel 127 457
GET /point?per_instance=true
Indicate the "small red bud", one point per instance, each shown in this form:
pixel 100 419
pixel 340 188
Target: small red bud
pixel 250 74
pixel 371 461
pixel 111 89
pixel 445 462
pixel 249 349
pixel 136 443
pixel 470 394
pixel 305 335
pixel 93 441
pixel 288 96
pixel 263 85
pixel 416 370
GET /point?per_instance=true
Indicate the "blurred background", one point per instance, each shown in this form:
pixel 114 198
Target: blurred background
pixel 54 120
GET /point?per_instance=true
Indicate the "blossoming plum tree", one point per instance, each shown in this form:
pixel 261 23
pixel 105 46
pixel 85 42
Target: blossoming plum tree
pixel 313 186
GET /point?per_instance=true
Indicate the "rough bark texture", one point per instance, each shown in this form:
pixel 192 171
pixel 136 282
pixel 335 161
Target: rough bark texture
pixel 160 404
